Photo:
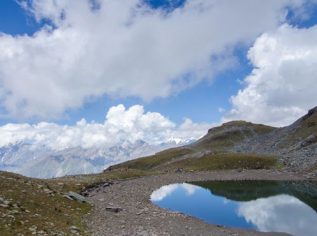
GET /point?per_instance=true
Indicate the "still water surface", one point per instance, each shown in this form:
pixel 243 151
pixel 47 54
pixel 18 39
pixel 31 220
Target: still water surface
pixel 268 206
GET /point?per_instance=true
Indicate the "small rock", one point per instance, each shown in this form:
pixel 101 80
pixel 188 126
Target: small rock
pixel 179 170
pixel 76 196
pixel 107 184
pixel 68 197
pixel 33 228
pixel 140 212
pixel 73 227
pixel 113 209
pixel 48 191
pixel 4 205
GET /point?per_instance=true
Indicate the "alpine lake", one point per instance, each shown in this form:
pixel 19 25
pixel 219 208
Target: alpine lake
pixel 267 206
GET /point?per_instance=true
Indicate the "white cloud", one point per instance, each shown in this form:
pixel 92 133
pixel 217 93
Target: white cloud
pixel 283 83
pixel 276 214
pixel 121 124
pixel 122 49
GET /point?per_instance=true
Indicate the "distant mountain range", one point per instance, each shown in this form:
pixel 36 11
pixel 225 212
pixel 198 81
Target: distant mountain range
pixel 294 146
pixel 42 162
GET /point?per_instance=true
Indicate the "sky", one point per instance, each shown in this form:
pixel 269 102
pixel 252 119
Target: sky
pixel 193 63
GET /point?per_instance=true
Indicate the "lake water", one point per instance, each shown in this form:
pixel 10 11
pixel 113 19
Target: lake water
pixel 268 206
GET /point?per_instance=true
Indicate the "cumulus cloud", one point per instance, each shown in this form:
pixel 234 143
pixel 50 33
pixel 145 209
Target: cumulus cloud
pixel 123 48
pixel 282 85
pixel 121 125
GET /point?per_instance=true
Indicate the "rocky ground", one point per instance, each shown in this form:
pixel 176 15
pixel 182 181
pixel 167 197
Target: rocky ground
pixel 124 208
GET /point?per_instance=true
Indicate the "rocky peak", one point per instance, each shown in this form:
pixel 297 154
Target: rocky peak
pixel 230 125
pixel 312 111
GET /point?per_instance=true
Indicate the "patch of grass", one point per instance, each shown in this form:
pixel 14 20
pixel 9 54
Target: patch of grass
pixel 40 205
pixel 37 206
pixel 150 162
pixel 223 161
pixel 226 161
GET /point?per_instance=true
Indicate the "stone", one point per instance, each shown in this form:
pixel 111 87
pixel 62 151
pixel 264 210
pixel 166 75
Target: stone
pixel 142 211
pixel 68 197
pixel 4 205
pixel 179 170
pixel 74 228
pixel 76 196
pixel 48 191
pixel 113 209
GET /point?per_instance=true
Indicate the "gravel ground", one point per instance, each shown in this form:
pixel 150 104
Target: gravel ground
pixel 140 217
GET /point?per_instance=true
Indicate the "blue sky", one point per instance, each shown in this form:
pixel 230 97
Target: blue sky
pixel 201 103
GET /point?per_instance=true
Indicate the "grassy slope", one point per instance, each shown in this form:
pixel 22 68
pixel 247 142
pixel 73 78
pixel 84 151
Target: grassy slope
pixel 210 152
pixel 151 162
pixel 207 162
pixel 297 136
pixel 226 161
pixel 40 204
pixel 35 203
pixel 303 129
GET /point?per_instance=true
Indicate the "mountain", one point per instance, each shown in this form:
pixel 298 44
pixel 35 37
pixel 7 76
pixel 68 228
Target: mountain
pixel 240 144
pixel 236 144
pixel 43 162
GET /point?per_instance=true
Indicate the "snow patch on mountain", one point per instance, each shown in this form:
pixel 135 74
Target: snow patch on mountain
pixel 43 162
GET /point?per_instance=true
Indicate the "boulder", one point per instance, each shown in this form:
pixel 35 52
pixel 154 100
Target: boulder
pixel 75 196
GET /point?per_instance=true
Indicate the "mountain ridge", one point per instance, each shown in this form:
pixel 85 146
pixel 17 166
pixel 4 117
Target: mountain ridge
pixel 294 147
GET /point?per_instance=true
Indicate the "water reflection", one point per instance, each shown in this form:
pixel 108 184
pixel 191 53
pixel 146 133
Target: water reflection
pixel 283 206
pixel 282 213
pixel 167 190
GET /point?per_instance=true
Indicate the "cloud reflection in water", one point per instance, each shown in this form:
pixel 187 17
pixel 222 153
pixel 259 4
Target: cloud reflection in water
pixel 276 213
pixel 281 213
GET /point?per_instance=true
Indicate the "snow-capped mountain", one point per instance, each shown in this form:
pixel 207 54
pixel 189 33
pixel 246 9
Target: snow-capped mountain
pixel 43 162
pixel 47 150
